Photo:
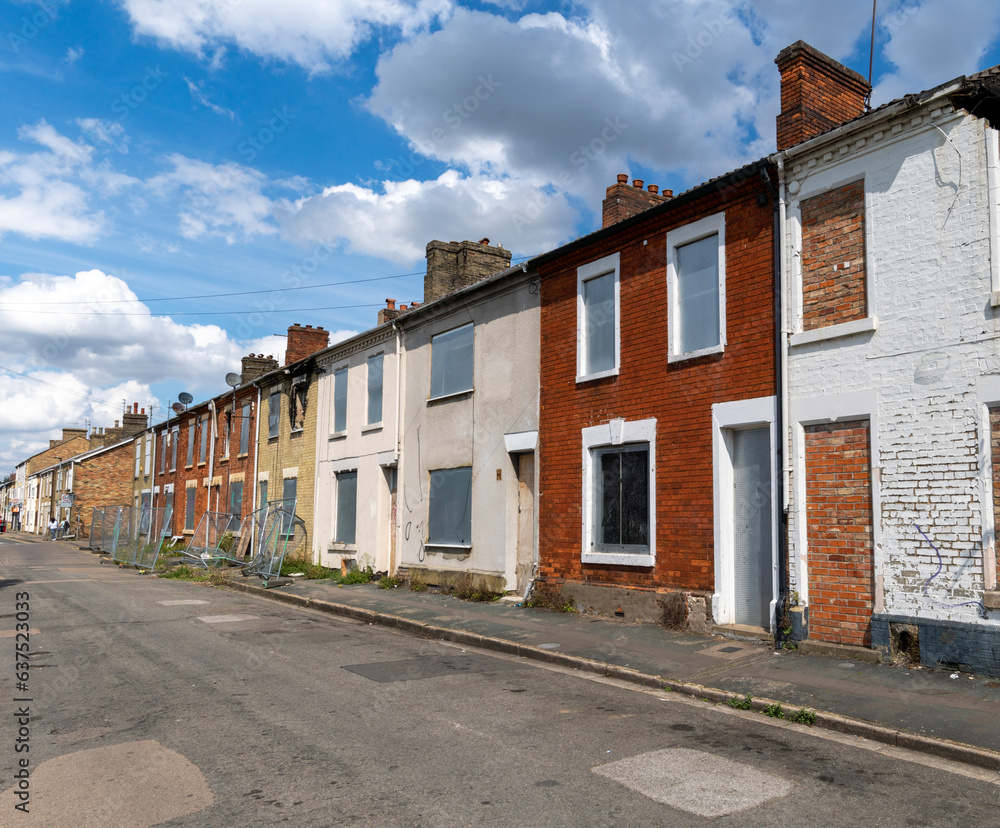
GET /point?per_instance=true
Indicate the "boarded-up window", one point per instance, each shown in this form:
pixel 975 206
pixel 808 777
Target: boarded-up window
pixel 833 257
pixel 347 507
pixel 449 521
pixel 451 362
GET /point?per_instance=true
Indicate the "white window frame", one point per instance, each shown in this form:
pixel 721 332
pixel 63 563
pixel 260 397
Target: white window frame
pixel 147 462
pixel 584 273
pixel 617 433
pixel 680 236
pixel 138 456
pixel 819 184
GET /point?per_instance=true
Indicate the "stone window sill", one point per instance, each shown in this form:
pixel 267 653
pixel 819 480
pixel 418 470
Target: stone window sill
pixel 857 326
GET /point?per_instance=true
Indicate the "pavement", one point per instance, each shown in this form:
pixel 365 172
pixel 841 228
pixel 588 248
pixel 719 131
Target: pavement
pixel 940 712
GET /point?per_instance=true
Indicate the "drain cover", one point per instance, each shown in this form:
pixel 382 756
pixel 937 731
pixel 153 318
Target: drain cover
pixel 730 649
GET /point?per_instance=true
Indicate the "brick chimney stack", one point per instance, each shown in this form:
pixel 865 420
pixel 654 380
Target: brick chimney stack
pixel 454 265
pixel 817 94
pixel 304 341
pixel 388 312
pixel 624 201
pixel 256 365
pixel 133 421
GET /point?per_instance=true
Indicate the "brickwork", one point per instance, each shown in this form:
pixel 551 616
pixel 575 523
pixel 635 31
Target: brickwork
pixel 817 94
pixel 455 265
pixel 102 480
pixel 70 448
pixel 678 395
pixel 304 341
pixel 839 527
pixel 833 257
pixel 624 200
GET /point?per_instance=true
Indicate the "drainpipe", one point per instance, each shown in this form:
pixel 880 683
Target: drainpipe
pixel 256 455
pixel 398 542
pixel 781 379
pixel 211 455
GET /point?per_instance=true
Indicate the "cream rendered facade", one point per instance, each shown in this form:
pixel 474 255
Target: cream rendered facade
pixel 357 451
pixel 469 435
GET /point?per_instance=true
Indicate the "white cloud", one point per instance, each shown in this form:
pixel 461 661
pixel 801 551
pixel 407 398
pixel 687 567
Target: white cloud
pixel 396 221
pixel 73 54
pixel 224 200
pixel 932 42
pixel 310 34
pixel 106 133
pixel 40 192
pixel 86 343
pixel 197 93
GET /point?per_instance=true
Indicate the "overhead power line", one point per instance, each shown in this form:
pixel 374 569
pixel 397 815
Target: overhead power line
pixel 172 314
pixel 58 387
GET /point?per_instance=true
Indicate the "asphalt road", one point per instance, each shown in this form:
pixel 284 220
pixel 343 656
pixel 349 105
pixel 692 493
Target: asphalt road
pixel 162 702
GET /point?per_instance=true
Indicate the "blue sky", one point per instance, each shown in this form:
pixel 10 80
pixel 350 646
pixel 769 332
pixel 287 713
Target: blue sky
pixel 156 151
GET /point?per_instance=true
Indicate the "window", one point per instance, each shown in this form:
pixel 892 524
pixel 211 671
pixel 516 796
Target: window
pixel 236 499
pixel 189 508
pixel 273 414
pixel 245 429
pixel 619 522
pixel 598 348
pixel 696 295
pixel 168 511
pixel 148 459
pixel 227 423
pixel 190 452
pixel 174 436
pixel 340 401
pixel 347 507
pixel 622 498
pixel 375 389
pixel 138 456
pixel 451 362
pixel 449 522
pixel 164 447
pixel 289 488
pixel 203 445
pixel 299 398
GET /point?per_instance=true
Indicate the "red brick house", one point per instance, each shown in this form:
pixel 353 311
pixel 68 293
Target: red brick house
pixel 205 455
pixel 657 429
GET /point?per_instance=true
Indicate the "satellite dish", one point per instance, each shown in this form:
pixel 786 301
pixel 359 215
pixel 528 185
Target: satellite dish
pixel 233 380
pixel 178 408
pixel 185 398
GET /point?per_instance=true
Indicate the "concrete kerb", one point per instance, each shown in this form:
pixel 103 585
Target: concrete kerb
pixel 941 748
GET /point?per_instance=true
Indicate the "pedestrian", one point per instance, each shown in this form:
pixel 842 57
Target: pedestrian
pixel 65 527
pixel 53 528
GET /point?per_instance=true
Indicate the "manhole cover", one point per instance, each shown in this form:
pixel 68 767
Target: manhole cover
pixel 730 649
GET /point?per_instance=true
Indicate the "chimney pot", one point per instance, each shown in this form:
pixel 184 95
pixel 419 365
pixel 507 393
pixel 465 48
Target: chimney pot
pixel 402 307
pixel 484 241
pixel 390 304
pixel 623 178
pixel 637 183
pixel 135 408
pixel 654 188
pixel 668 193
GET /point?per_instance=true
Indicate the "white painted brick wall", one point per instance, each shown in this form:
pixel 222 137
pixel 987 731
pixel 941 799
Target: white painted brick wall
pixel 928 253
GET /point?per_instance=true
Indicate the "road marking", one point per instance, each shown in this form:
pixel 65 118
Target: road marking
pixel 181 603
pixel 225 619
pixel 697 782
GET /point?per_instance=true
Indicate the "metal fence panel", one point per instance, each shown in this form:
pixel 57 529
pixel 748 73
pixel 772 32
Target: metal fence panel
pixel 212 540
pixel 279 533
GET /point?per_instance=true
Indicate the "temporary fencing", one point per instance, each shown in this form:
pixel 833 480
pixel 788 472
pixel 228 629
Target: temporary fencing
pixel 279 532
pixel 104 525
pixel 131 535
pixel 214 540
